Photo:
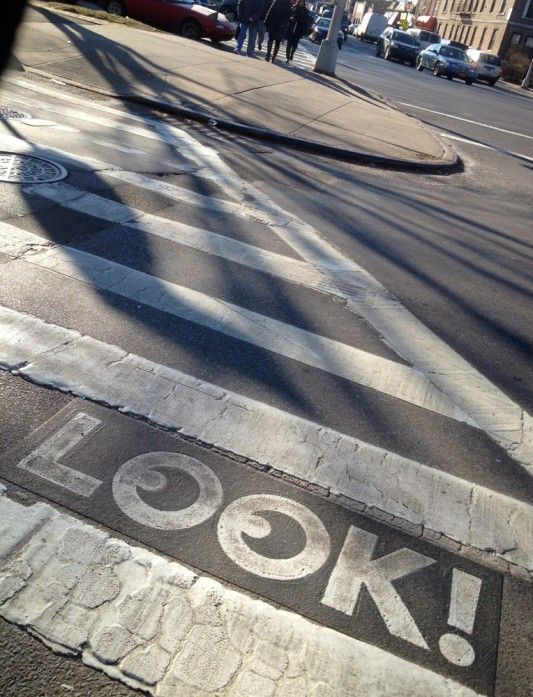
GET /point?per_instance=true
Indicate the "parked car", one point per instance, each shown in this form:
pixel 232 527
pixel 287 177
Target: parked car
pixel 228 8
pixel 424 37
pixel 345 22
pixel 182 17
pixel 394 43
pixel 446 61
pixel 454 44
pixel 352 28
pixel 320 29
pixel 371 27
pixel 488 66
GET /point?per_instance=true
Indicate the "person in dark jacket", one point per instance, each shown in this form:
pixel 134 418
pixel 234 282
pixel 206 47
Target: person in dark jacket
pixel 248 14
pixel 277 23
pixel 297 27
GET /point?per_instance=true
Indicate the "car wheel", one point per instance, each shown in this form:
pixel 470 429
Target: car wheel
pixel 116 7
pixel 437 71
pixel 190 29
pixel 468 81
pixel 419 65
pixel 492 83
pixel 387 54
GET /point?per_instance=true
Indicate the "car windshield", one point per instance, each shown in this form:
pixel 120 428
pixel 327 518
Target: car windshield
pixel 404 38
pixel 323 23
pixel 450 52
pixel 491 60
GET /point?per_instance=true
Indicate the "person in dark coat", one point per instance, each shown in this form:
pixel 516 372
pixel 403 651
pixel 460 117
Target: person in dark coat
pixel 297 27
pixel 277 23
pixel 248 14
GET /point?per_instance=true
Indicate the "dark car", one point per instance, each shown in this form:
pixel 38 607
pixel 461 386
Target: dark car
pixel 320 30
pixel 228 8
pixel 345 21
pixel 446 61
pixel 182 17
pixel 397 44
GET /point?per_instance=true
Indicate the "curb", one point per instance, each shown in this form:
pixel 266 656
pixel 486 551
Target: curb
pixel 449 164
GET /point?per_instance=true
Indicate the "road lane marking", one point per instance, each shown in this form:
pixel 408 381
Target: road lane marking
pixel 461 118
pixel 154 624
pixel 502 419
pixel 272 263
pixel 381 374
pixel 119 148
pixel 502 151
pixel 365 474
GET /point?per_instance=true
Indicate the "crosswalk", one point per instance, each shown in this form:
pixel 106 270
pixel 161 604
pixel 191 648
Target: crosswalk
pixel 222 261
pixel 157 281
pixel 303 58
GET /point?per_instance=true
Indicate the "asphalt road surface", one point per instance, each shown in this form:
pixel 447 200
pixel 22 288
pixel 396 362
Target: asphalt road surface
pixel 234 293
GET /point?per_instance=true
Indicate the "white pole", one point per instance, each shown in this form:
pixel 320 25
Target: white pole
pixel 328 51
pixel 527 80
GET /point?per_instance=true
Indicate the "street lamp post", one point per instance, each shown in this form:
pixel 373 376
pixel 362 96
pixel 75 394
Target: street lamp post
pixel 527 80
pixel 327 53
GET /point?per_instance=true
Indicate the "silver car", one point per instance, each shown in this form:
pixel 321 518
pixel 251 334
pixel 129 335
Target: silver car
pixel 488 66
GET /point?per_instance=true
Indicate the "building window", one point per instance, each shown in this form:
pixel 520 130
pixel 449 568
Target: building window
pixel 482 37
pixel 515 39
pixel 482 6
pixel 528 46
pixel 503 5
pixel 473 37
pixel 492 39
pixel 445 7
pixel 492 6
pixel 528 12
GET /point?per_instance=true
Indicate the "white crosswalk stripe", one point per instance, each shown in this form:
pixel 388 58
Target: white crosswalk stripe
pixel 386 376
pixel 303 59
pixel 438 380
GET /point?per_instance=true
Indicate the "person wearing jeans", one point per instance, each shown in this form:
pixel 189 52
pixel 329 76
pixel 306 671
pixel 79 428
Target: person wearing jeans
pixel 248 13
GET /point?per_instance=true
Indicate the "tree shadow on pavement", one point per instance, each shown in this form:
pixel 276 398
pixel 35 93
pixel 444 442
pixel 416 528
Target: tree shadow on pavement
pixel 215 357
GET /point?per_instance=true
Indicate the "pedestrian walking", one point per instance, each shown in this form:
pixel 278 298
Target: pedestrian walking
pixel 248 14
pixel 261 29
pixel 297 27
pixel 277 23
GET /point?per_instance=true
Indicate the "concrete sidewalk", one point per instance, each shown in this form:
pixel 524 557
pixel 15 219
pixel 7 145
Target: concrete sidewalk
pixel 129 62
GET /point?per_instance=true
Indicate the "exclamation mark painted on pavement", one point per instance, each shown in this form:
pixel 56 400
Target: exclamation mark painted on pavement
pixel 463 605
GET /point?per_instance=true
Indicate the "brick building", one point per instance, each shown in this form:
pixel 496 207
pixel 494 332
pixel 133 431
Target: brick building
pixel 493 25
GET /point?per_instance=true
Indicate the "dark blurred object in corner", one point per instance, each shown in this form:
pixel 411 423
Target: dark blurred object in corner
pixel 12 13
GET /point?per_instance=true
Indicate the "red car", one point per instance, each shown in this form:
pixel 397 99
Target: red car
pixel 182 17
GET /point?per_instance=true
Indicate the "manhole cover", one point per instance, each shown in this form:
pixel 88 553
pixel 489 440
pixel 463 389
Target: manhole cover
pixel 7 113
pixel 26 169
